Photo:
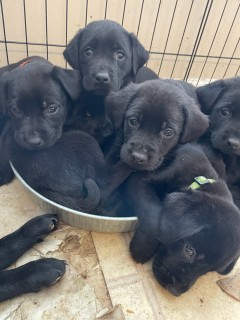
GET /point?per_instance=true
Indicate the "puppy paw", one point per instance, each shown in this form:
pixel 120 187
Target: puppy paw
pixel 139 256
pixel 44 273
pixel 32 277
pixel 143 246
pixel 39 227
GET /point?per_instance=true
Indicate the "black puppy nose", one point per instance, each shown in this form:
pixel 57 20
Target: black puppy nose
pixel 34 139
pixel 107 129
pixel 102 77
pixel 173 290
pixel 234 143
pixel 139 157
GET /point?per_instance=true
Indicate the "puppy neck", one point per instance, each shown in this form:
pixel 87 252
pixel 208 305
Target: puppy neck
pixel 200 181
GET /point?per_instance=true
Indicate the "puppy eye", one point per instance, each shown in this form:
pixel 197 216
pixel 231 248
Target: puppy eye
pixel 88 52
pixel 52 108
pixel 189 251
pixel 133 122
pixel 16 111
pixel 225 112
pixel 120 55
pixel 167 132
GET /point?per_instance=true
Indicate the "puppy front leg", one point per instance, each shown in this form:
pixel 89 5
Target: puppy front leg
pixel 147 207
pixel 118 173
pixel 235 191
pixel 6 173
pixel 143 245
pixel 112 152
pixel 31 277
pixel 17 243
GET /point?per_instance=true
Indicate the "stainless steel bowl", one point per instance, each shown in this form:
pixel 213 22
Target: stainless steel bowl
pixel 77 218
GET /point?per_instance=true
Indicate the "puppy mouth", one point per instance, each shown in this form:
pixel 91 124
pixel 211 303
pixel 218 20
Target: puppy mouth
pixel 37 140
pixel 100 88
pixel 141 166
pixel 166 279
pixel 34 144
pixel 228 144
pixel 100 92
pixel 235 152
pixel 29 144
pixel 96 88
pixel 38 147
pixel 227 148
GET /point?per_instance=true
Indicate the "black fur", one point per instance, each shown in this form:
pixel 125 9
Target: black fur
pixel 151 118
pixel 190 232
pixel 221 101
pixel 34 275
pixel 107 55
pixel 35 98
pixel 90 113
pixel 73 172
pixel 90 117
pixel 109 58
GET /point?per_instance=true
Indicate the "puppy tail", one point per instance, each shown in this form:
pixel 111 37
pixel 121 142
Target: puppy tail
pixel 92 199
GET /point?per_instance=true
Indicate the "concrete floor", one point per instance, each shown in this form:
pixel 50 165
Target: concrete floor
pixel 102 281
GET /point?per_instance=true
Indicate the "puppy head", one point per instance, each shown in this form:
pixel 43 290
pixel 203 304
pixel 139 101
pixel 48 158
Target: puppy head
pixel 157 116
pixel 199 237
pixel 91 118
pixel 35 97
pixel 107 55
pixel 221 100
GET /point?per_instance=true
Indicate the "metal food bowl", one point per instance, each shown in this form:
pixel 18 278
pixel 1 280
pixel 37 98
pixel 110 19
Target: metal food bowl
pixel 80 219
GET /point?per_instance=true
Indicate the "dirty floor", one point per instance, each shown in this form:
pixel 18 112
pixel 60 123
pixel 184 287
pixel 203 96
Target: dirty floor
pixel 102 281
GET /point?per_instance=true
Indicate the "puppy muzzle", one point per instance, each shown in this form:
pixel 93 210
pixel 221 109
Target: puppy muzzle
pixel 140 156
pixel 234 144
pixel 35 141
pixel 100 81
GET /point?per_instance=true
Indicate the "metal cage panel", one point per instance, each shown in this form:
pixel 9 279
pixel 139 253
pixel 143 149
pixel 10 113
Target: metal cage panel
pixel 187 39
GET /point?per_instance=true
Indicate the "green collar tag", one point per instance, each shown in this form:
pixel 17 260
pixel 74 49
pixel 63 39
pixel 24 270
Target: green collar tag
pixel 199 181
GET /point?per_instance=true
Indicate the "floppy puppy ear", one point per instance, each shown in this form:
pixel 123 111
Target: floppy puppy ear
pixel 116 104
pixel 139 55
pixel 71 53
pixel 179 229
pixel 69 79
pixel 209 94
pixel 174 226
pixel 195 122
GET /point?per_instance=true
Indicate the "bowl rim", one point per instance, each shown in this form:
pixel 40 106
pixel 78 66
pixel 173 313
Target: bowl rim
pixel 80 213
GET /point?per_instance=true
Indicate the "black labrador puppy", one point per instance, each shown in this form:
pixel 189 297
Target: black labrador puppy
pixel 221 101
pixel 35 98
pixel 90 114
pixel 158 116
pixel 108 58
pixel 34 275
pixel 107 55
pixel 151 118
pixel 188 220
pixel 72 172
